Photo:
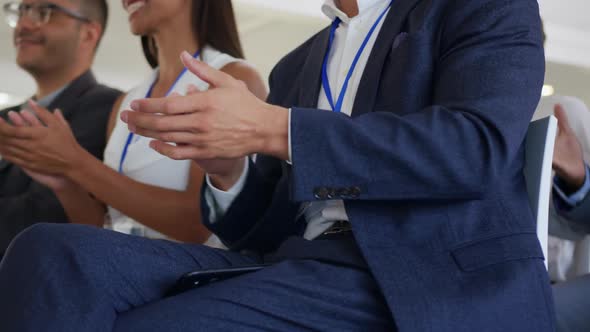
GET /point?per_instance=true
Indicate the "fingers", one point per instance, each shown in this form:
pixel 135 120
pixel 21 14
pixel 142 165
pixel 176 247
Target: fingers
pixel 192 89
pixel 172 137
pixel 9 131
pixel 15 160
pixel 171 105
pixel 195 99
pixel 59 115
pixel 214 77
pixel 25 164
pixel 4 128
pixel 17 119
pixel 15 155
pixel 144 123
pixel 44 115
pixel 31 119
pixel 61 119
pixel 182 152
pixel 562 120
pixel 18 143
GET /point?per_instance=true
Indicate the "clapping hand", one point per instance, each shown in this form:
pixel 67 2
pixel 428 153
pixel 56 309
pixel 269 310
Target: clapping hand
pixel 38 143
pixel 216 128
pixel 568 160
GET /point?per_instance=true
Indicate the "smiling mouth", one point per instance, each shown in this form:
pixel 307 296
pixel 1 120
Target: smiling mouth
pixel 132 6
pixel 23 41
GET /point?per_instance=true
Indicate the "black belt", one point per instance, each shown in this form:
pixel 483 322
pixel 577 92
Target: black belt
pixel 336 246
pixel 339 227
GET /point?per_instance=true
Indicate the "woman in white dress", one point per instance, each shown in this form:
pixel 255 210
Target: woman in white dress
pixel 138 190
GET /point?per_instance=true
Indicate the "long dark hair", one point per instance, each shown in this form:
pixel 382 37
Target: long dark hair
pixel 214 24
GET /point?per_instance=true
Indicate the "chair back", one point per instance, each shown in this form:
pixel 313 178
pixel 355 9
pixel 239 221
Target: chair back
pixel 582 260
pixel 540 142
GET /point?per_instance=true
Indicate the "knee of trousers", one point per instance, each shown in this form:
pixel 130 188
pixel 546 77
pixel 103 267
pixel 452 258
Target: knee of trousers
pixel 42 241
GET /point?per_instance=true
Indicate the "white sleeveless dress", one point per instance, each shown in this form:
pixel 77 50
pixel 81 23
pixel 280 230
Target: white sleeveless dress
pixel 144 164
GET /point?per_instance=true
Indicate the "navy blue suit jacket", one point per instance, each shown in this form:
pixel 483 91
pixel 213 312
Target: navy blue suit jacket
pixel 86 105
pixel 430 165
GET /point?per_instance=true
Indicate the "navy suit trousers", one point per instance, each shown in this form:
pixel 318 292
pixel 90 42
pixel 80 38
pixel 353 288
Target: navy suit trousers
pixel 66 278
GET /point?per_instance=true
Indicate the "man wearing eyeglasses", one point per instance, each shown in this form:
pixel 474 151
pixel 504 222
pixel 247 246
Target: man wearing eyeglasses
pixel 55 43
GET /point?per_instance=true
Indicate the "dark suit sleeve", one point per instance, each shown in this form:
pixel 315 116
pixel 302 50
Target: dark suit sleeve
pixel 35 204
pixel 487 83
pixel 90 119
pixel 30 204
pixel 578 217
pixel 24 202
pixel 573 208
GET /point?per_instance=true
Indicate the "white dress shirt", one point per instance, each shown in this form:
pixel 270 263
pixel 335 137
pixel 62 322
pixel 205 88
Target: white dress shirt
pixel 347 41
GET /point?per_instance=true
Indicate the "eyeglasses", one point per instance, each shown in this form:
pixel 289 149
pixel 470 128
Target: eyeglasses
pixel 40 14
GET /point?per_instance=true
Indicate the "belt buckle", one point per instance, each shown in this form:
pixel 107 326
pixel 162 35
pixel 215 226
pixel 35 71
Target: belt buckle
pixel 339 226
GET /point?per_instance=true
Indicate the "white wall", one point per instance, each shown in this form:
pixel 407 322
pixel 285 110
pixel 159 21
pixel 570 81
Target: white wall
pixel 269 29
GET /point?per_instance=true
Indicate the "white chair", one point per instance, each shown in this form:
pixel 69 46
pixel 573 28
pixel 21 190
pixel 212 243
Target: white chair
pixel 540 141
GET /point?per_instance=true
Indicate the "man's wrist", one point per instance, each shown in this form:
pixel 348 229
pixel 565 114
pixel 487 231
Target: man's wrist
pixel 227 180
pixel 574 197
pixel 572 176
pixel 571 183
pixel 274 138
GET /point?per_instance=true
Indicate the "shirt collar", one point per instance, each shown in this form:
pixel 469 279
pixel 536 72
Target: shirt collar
pixel 50 98
pixel 330 9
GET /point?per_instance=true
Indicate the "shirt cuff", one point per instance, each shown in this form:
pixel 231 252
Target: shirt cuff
pixel 218 200
pixel 573 200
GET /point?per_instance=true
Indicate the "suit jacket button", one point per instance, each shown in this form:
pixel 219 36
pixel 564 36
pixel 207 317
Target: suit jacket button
pixel 343 193
pixel 355 192
pixel 332 193
pixel 321 193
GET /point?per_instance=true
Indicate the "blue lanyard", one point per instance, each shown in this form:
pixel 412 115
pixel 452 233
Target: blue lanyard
pixel 148 95
pixel 325 81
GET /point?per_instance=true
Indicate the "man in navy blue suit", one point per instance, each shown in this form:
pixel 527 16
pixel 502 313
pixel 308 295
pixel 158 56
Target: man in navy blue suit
pixel 388 190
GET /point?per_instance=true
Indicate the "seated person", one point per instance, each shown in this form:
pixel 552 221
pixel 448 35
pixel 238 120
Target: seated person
pixel 570 212
pixel 145 193
pixel 387 195
pixel 56 44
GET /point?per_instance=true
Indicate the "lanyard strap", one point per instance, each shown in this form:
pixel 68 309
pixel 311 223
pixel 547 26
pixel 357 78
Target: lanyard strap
pixel 149 95
pixel 325 81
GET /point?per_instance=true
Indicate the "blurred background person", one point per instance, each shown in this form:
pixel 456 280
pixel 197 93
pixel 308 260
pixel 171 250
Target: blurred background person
pixel 141 191
pixel 569 222
pixel 570 211
pixel 55 43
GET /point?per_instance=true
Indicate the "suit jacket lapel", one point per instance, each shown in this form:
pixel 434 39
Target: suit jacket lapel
pixel 312 71
pixel 4 114
pixel 369 84
pixel 70 96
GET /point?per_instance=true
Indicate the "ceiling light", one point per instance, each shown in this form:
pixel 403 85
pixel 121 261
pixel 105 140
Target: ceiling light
pixel 5 98
pixel 548 90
